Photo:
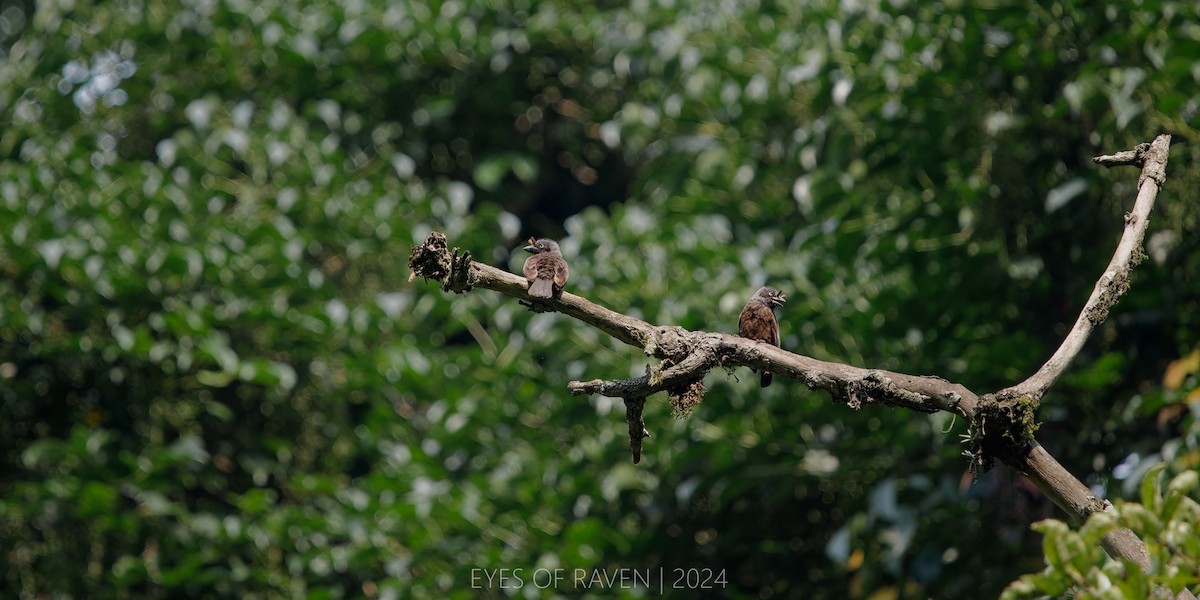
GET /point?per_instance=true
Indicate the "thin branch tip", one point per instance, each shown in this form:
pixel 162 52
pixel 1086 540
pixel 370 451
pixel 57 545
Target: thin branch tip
pixel 1114 281
pixel 585 388
pixel 1123 158
pixel 636 425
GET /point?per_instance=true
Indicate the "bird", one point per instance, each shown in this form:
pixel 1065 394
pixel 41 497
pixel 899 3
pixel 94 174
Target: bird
pixel 546 271
pixel 757 321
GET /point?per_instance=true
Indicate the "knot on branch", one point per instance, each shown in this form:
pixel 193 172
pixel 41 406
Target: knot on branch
pixel 1003 429
pixel 670 343
pixel 953 399
pixel 1097 505
pixel 1154 161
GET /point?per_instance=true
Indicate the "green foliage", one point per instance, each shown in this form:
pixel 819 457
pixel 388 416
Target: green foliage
pixel 1166 520
pixel 216 380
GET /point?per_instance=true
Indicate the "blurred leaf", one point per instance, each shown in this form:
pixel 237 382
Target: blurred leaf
pixel 1178 370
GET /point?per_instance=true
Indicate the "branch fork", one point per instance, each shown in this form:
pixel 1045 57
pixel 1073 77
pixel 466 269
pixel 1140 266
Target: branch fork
pixel 1002 423
pixel 1152 158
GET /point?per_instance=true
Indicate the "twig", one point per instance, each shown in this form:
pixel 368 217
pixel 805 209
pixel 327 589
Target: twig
pixel 637 426
pixel 1123 158
pixel 698 362
pixel 1114 282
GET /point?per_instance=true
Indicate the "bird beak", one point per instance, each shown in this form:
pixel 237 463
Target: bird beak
pixel 531 249
pixel 782 298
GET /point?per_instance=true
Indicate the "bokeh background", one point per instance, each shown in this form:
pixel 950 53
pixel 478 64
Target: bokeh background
pixel 216 381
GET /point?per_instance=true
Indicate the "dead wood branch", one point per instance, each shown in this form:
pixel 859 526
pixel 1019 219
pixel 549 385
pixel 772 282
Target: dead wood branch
pixel 1002 423
pixel 1114 282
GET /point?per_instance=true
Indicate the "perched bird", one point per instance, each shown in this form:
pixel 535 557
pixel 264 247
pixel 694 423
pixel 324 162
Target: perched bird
pixel 546 271
pixel 757 321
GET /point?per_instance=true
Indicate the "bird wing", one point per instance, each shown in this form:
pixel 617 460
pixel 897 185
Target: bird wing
pixel 561 273
pixel 757 322
pixel 530 268
pixel 742 324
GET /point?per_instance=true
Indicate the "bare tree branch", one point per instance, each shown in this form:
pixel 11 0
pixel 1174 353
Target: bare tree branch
pixel 433 260
pixel 1002 423
pixel 634 332
pixel 1077 500
pixel 853 385
pixel 1114 282
pixel 688 355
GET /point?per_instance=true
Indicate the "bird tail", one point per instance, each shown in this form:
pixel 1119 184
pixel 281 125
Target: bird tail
pixel 541 288
pixel 764 380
